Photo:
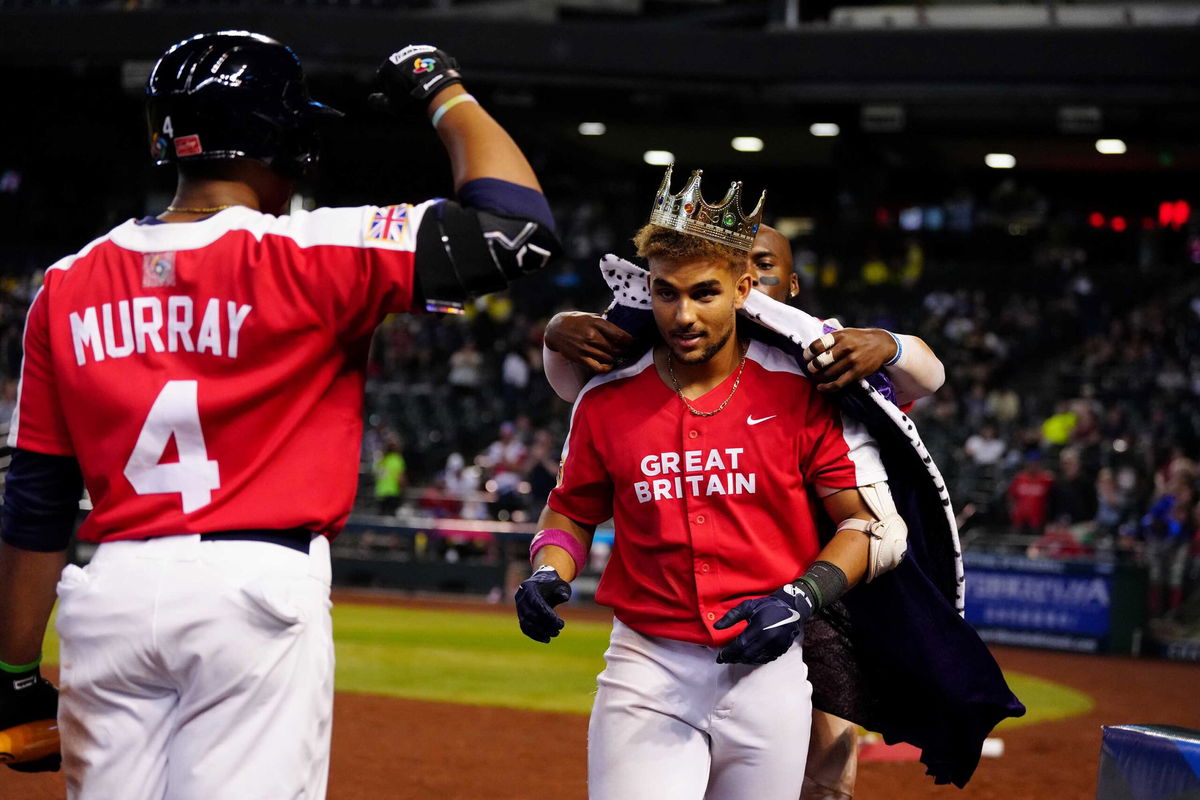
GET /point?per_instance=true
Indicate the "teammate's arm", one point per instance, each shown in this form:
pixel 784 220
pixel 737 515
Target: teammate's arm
pixel 41 500
pixel 557 553
pixel 501 228
pixel 844 356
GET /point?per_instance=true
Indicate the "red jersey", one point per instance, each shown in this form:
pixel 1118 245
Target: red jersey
pixel 708 511
pixel 208 376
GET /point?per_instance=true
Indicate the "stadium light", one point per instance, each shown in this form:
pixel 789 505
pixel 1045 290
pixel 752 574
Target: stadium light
pixel 747 144
pixel 658 158
pixel 1110 147
pixel 592 129
pixel 824 129
pixel 1000 160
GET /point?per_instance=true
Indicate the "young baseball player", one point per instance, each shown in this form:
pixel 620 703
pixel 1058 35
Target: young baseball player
pixel 185 368
pixel 707 453
pixel 591 342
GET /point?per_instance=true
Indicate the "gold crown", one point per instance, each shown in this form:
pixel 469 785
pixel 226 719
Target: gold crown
pixel 723 223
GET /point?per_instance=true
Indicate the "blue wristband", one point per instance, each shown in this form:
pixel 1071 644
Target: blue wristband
pixel 899 349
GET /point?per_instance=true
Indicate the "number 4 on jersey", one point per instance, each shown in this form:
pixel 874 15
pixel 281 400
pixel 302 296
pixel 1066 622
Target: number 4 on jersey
pixel 176 412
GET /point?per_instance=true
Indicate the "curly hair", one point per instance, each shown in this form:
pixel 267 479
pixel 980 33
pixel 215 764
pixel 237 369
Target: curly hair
pixel 655 241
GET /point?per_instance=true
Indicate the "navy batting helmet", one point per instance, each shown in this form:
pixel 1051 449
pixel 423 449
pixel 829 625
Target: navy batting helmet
pixel 233 94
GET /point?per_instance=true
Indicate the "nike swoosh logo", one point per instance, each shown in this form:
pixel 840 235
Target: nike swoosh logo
pixel 750 420
pixel 794 616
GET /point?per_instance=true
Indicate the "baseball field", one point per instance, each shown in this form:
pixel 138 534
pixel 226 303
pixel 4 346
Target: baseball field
pixel 440 699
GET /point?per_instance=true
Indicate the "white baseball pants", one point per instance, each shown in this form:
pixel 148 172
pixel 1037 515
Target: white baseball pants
pixel 669 723
pixel 196 670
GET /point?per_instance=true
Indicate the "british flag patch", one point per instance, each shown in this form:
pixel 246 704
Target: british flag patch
pixel 388 224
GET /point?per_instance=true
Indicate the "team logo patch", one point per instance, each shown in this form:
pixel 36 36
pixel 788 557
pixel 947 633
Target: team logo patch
pixel 423 65
pixel 388 224
pixel 158 269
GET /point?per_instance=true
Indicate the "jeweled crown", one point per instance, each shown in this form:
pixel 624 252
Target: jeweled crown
pixel 723 223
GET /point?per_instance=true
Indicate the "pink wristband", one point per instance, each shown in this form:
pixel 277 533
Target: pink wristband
pixel 559 538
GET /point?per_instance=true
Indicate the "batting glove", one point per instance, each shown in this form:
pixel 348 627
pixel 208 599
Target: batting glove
pixel 417 72
pixel 27 697
pixel 536 598
pixel 774 622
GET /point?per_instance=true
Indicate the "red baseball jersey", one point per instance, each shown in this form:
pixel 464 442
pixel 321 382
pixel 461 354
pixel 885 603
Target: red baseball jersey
pixel 708 511
pixel 208 376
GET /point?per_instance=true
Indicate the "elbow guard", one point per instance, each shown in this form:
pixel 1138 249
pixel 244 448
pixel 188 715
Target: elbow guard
pixel 887 533
pixel 464 252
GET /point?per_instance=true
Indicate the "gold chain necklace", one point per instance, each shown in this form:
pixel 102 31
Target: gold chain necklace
pixel 695 411
pixel 209 210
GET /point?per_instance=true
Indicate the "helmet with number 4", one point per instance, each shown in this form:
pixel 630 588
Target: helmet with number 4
pixel 233 94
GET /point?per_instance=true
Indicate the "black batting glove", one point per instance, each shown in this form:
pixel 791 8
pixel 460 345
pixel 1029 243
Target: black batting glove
pixel 773 623
pixel 414 75
pixel 28 697
pixel 536 598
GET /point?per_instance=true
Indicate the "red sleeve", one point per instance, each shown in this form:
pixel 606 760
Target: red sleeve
pixel 825 457
pixel 585 489
pixel 38 423
pixel 362 262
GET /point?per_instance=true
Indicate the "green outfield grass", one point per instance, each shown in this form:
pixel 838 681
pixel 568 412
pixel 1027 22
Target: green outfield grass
pixel 482 659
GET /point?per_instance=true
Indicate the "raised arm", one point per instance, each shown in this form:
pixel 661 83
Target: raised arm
pixel 501 227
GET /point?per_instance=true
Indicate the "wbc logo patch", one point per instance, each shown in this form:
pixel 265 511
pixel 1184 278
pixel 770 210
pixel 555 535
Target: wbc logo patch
pixel 388 224
pixel 158 269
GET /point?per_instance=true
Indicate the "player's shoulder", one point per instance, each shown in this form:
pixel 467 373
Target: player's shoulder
pixel 775 363
pixel 603 388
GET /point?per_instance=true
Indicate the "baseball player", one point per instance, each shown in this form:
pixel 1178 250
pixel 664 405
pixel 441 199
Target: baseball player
pixel 589 341
pixel 707 453
pixel 185 368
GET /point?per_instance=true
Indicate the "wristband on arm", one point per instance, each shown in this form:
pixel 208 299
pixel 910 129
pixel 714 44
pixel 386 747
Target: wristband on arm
pixel 822 584
pixel 559 538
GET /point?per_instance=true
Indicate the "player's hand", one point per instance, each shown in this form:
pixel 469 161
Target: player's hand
pixel 415 74
pixel 587 339
pixel 536 599
pixel 845 356
pixel 773 623
pixel 27 697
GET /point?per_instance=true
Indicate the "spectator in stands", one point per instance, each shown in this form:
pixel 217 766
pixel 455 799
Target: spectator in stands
pixel 514 380
pixel 389 476
pixel 466 368
pixel 505 460
pixel 1112 509
pixel 1029 495
pixel 1074 495
pixel 985 449
pixel 542 469
pixel 1057 428
pixel 1167 531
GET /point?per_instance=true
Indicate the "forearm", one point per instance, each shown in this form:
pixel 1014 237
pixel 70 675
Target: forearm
pixel 477 145
pixel 918 373
pixel 27 593
pixel 558 557
pixel 848 550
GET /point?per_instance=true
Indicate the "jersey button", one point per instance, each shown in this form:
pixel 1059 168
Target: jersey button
pixel 711 616
pixel 699 519
pixel 693 434
pixel 704 567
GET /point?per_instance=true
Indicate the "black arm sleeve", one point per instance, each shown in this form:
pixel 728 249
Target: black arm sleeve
pixel 41 501
pixel 465 252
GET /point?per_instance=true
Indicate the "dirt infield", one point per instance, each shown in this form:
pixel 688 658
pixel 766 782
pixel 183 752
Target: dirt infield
pixel 409 750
